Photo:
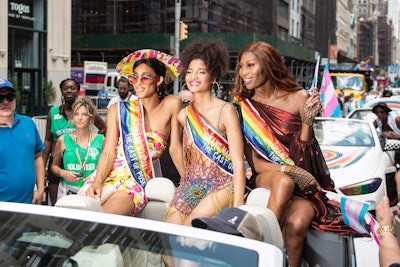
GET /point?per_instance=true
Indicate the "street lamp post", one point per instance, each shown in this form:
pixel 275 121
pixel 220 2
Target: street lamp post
pixel 176 39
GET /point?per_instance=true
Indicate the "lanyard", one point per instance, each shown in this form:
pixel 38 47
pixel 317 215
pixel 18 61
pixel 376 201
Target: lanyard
pixel 79 156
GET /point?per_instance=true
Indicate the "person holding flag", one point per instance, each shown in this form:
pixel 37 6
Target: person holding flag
pixel 389 249
pixel 276 116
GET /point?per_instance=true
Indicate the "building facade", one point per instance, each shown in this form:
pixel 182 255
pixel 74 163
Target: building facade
pixel 108 31
pixel 47 38
pixel 36 50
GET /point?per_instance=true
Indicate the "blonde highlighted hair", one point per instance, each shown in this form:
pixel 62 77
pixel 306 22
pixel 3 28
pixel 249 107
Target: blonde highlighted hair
pixel 86 102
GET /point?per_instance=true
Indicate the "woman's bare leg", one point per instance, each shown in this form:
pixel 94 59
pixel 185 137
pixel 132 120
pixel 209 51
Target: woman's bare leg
pixel 281 186
pixel 173 216
pixel 209 206
pixel 300 214
pixel 119 203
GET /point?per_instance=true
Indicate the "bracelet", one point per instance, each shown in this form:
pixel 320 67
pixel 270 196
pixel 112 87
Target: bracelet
pixel 386 228
pixel 283 167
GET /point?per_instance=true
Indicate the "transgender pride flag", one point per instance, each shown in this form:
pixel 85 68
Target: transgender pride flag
pixel 328 96
pixel 355 214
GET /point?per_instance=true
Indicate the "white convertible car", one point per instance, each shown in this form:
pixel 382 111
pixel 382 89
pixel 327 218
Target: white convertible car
pixel 77 233
pixel 34 235
pixel 365 113
pixel 358 164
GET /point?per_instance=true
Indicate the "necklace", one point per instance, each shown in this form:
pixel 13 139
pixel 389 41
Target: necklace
pixel 79 156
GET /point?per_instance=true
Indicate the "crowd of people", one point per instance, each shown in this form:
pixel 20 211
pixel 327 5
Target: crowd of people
pixel 348 102
pixel 268 125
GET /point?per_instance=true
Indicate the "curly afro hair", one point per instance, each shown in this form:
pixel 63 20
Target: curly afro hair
pixel 213 52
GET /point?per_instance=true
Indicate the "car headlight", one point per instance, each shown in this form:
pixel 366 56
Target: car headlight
pixel 365 187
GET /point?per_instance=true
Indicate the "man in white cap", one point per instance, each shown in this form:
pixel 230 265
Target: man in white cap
pixel 21 160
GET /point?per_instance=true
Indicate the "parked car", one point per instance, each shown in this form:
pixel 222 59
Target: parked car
pixel 110 83
pixel 393 102
pixel 354 154
pixel 37 235
pixel 365 113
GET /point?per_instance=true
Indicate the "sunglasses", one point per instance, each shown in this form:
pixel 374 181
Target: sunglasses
pixel 10 97
pixel 145 79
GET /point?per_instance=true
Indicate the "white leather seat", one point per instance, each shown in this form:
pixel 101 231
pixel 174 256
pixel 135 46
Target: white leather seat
pixel 258 197
pixel 256 204
pixel 84 202
pixel 79 202
pixel 159 191
pixel 269 223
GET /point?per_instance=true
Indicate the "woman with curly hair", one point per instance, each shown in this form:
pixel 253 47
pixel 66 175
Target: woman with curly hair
pixel 213 146
pixel 137 134
pixel 277 115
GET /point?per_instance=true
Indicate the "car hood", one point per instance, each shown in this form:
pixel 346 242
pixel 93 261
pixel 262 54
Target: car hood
pixel 350 165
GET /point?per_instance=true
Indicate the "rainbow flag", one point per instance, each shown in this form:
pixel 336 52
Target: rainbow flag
pixel 328 96
pixel 367 59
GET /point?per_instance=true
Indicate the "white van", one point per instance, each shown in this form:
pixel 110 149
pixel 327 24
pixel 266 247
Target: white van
pixel 110 83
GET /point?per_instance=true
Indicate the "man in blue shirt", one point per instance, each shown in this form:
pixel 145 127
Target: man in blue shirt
pixel 102 100
pixel 21 160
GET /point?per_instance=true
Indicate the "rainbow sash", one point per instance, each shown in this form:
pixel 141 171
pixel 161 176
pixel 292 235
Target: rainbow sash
pixel 259 135
pixel 210 143
pixel 136 151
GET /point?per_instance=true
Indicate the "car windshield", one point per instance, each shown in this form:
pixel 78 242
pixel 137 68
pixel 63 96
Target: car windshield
pixel 343 132
pixel 348 82
pixel 363 114
pixel 368 115
pixel 38 240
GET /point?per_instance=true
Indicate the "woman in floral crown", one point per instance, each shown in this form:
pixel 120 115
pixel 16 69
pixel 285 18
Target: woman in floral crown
pixel 137 134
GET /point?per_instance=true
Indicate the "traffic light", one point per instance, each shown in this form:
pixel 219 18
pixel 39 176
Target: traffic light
pixel 183 31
